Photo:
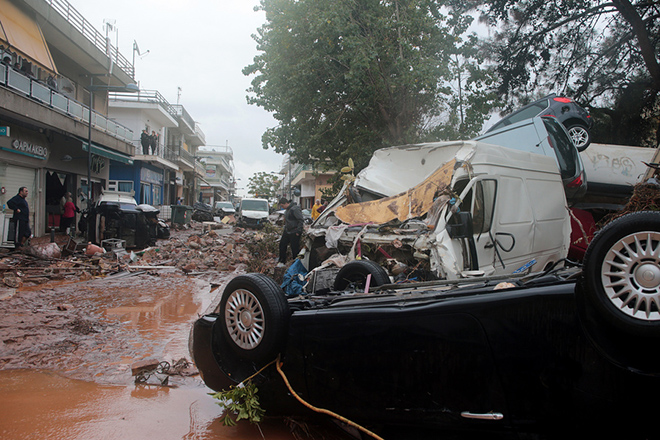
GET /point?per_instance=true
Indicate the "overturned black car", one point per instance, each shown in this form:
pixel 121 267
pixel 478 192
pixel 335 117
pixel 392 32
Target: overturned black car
pixel 568 350
pixel 118 216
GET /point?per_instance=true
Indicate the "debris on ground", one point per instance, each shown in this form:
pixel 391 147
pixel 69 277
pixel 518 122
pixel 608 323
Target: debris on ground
pixel 193 248
pixel 645 197
pixel 158 373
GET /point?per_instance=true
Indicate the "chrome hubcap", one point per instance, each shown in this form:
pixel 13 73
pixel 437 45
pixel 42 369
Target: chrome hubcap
pixel 244 319
pixel 631 275
pixel 579 136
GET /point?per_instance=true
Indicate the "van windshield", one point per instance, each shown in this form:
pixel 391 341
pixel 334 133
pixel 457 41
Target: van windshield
pixel 254 205
pixel 564 148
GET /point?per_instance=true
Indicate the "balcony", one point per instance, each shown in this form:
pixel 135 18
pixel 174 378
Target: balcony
pixel 189 127
pixel 87 30
pixel 178 155
pixel 51 99
pixel 161 110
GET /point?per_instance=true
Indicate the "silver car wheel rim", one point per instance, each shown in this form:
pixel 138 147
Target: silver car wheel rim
pixel 244 319
pixel 631 275
pixel 579 136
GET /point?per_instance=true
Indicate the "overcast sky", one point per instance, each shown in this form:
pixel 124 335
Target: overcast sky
pixel 200 46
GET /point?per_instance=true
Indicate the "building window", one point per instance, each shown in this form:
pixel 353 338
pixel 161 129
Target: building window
pixel 120 185
pixel 156 195
pixel 145 193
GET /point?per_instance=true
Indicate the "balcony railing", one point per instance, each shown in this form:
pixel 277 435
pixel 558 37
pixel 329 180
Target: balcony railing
pixel 174 153
pixel 29 87
pixel 70 14
pixel 199 133
pixel 145 96
pixel 186 156
pixel 185 116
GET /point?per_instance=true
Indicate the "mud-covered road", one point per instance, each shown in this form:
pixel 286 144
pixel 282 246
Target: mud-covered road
pixel 67 348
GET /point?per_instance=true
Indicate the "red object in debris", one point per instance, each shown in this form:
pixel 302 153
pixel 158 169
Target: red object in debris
pixel 93 249
pixel 580 240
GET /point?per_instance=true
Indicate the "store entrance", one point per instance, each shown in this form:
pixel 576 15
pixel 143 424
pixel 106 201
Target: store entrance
pixel 57 184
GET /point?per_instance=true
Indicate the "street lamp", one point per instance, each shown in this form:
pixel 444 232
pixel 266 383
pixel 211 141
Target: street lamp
pixel 131 88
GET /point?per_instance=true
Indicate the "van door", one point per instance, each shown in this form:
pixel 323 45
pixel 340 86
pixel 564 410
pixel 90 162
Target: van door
pixel 515 220
pixel 495 239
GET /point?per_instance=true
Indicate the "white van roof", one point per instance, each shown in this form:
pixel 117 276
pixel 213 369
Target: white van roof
pixel 394 170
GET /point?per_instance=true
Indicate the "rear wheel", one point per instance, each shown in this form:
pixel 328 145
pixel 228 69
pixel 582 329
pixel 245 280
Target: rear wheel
pixel 354 274
pixel 580 136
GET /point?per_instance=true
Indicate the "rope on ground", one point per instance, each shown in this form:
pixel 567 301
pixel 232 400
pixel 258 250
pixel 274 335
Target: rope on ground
pixel 278 364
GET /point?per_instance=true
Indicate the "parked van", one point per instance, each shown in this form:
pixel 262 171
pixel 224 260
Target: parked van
pixel 545 135
pixel 446 210
pixel 253 213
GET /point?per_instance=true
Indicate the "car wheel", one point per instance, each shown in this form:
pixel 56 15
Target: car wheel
pixel 622 273
pixel 255 316
pixel 580 136
pixel 355 274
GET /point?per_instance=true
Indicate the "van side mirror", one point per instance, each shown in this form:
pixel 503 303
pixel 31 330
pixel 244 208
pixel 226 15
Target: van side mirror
pixel 460 225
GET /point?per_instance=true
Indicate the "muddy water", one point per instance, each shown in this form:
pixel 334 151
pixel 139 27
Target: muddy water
pixel 44 405
pixel 130 319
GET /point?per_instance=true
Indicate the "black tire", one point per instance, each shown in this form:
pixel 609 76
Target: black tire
pixel 355 274
pixel 621 279
pixel 254 317
pixel 580 135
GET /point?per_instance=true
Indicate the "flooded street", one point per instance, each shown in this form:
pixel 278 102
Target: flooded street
pixel 40 404
pixel 66 359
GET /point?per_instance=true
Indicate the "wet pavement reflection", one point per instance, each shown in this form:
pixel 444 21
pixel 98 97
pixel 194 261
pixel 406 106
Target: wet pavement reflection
pixel 130 319
pixel 44 405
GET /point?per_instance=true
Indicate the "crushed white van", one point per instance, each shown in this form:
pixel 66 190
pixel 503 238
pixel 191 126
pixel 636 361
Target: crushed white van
pixel 443 210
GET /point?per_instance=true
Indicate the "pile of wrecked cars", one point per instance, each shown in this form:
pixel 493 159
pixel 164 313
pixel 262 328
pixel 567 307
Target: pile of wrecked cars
pixel 457 309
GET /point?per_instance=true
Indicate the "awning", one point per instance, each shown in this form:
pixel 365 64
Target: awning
pixel 112 155
pixel 24 34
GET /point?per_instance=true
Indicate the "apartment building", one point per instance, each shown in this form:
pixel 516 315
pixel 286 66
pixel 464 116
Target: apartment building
pixel 218 183
pixel 167 169
pixel 64 87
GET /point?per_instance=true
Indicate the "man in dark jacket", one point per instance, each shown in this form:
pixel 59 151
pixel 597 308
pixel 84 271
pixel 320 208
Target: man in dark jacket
pixel 21 217
pixel 145 140
pixel 293 229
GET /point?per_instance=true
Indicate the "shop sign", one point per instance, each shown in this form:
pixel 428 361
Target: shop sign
pixel 98 163
pixel 150 176
pixel 210 171
pixel 28 149
pixel 4 131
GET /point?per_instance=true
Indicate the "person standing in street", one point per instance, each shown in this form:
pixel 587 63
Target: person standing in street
pixel 293 228
pixel 315 209
pixel 21 218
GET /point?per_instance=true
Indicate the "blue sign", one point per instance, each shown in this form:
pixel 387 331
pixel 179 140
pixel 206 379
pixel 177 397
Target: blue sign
pixel 4 131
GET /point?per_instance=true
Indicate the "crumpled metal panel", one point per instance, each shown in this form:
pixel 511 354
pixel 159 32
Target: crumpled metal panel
pixel 412 203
